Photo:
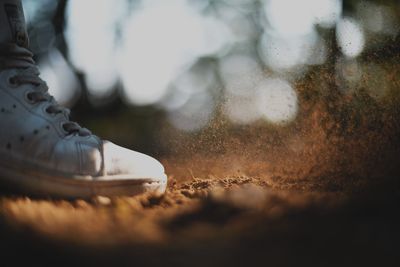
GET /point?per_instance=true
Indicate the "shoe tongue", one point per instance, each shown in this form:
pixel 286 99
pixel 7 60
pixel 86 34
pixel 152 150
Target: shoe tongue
pixel 12 23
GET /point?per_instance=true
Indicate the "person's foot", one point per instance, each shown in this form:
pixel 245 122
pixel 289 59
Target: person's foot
pixel 41 151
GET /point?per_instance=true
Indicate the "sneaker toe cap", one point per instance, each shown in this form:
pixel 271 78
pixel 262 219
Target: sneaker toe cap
pixel 123 163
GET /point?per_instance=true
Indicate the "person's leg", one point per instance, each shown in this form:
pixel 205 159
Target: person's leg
pixel 41 150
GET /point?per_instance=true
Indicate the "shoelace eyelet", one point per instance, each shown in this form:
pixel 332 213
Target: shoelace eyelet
pixel 12 81
pixel 63 128
pixel 66 130
pixel 28 97
pixel 47 110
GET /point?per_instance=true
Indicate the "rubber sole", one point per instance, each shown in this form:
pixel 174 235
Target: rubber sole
pixel 38 184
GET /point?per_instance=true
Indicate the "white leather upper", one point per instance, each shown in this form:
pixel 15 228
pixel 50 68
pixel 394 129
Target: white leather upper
pixel 30 134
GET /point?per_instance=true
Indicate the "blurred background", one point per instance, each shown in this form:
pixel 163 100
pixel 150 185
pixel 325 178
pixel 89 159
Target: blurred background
pixel 153 74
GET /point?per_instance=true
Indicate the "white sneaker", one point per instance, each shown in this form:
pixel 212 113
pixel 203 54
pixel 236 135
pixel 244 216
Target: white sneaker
pixel 41 151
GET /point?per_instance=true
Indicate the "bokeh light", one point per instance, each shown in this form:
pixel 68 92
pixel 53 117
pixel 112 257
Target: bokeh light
pixel 291 17
pixel 198 79
pixel 155 51
pixel 240 74
pixel 241 109
pixel 60 78
pixel 350 36
pixel 194 114
pixel 91 40
pixel 277 101
pixel 377 18
pixel 195 60
pixel 281 53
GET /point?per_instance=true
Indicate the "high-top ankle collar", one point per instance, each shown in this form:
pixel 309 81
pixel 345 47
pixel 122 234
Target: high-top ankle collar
pixel 12 23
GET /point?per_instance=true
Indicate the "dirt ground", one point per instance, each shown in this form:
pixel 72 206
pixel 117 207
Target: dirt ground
pixel 324 191
pixel 233 220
